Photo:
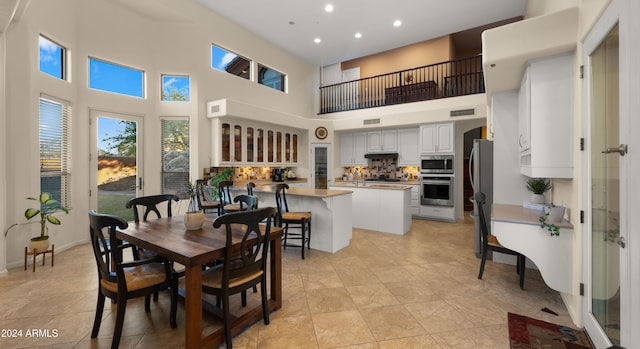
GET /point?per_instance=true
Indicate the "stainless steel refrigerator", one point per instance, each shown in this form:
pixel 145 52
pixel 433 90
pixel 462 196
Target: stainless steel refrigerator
pixel 481 177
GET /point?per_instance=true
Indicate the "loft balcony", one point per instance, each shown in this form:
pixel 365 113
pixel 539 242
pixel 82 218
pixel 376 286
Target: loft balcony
pixel 441 80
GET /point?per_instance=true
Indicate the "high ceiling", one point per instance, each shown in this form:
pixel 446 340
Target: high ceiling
pixel 294 24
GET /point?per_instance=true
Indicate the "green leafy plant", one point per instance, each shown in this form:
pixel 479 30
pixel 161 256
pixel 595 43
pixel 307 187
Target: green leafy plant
pixel 553 229
pixel 48 206
pixel 538 185
pixel 225 175
pixel 191 193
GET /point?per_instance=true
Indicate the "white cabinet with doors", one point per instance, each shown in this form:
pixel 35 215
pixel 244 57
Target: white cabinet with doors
pixel 382 141
pixel 353 146
pixel 546 118
pixel 437 138
pixel 408 154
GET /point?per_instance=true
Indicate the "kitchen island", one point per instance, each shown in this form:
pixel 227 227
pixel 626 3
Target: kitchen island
pixel 331 223
pixel 379 206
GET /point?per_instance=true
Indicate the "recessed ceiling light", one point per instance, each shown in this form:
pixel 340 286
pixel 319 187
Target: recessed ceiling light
pixel 397 23
pixel 358 35
pixel 317 40
pixel 328 8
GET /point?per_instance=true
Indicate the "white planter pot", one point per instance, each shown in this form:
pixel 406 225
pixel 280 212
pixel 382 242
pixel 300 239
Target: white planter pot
pixel 556 213
pixel 537 199
pixel 40 245
pixel 193 220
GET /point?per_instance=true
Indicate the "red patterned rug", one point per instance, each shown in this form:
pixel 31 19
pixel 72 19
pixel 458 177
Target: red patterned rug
pixel 528 333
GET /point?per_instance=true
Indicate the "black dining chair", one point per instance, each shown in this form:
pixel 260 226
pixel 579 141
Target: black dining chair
pixel 120 280
pixel 243 268
pixel 205 199
pixel 293 220
pixel 490 243
pixel 246 202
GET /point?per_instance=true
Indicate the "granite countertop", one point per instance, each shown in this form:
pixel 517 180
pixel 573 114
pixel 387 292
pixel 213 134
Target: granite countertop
pixel 338 181
pixel 374 185
pixel 308 192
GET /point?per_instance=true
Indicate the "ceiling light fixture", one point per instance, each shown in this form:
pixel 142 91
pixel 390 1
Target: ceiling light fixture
pixel 328 8
pixel 317 40
pixel 397 23
pixel 358 35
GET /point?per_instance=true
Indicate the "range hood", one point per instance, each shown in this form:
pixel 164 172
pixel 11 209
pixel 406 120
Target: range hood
pixel 381 155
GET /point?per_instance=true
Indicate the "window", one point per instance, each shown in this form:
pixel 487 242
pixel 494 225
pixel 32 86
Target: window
pixel 271 78
pixel 175 155
pixel 115 78
pixel 175 88
pixel 52 60
pixel 230 62
pixel 55 149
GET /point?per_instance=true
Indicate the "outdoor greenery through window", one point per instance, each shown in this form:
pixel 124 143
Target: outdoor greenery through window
pixel 52 60
pixel 55 149
pixel 115 78
pixel 271 78
pixel 175 88
pixel 175 155
pixel 230 62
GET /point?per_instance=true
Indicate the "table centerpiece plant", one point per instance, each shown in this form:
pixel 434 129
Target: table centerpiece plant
pixel 194 217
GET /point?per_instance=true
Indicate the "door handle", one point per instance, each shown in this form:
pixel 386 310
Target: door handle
pixel 621 242
pixel 621 149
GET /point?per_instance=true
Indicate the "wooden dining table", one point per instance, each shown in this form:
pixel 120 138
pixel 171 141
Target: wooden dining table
pixel 169 238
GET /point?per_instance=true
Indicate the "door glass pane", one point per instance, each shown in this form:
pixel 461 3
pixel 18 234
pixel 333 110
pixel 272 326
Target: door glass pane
pixel 321 165
pixel 295 148
pixel 260 147
pixel 226 142
pixel 605 195
pixel 270 146
pixel 117 163
pixel 237 143
pixel 279 146
pixel 250 144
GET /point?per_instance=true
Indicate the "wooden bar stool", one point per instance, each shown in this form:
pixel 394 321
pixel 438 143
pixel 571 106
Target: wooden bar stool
pixel 296 220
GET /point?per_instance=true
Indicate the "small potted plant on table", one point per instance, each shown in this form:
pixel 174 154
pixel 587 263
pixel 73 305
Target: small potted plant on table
pixel 194 217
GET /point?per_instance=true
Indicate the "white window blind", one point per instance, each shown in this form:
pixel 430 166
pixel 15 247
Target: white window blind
pixel 175 155
pixel 55 148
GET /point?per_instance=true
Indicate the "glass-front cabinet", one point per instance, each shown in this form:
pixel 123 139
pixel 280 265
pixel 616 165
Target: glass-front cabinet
pixel 250 144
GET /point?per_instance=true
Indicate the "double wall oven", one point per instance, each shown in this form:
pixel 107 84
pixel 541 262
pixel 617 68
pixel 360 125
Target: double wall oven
pixel 436 180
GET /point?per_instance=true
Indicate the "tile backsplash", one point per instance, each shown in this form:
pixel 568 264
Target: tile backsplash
pixel 377 167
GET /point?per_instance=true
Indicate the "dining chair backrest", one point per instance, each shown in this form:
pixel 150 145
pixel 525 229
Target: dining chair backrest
pixel 281 198
pixel 247 202
pixel 480 199
pixel 250 187
pixel 203 192
pixel 103 249
pixel 224 193
pixel 251 257
pixel 150 204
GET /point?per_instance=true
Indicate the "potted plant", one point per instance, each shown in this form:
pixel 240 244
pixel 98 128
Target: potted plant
pixel 538 186
pixel 194 217
pixel 48 206
pixel 225 175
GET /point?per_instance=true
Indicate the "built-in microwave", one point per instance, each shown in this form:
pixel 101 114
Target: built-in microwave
pixel 439 164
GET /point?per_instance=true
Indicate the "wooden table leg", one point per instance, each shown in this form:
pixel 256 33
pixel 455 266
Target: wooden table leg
pixel 193 306
pixel 276 271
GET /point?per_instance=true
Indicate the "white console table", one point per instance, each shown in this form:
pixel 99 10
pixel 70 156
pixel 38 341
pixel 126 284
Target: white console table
pixel 518 228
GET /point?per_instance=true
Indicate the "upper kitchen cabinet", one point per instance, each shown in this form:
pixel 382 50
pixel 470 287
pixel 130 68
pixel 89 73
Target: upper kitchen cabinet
pixel 437 138
pixel 353 146
pixel 249 144
pixel 382 141
pixel 408 154
pixel 545 107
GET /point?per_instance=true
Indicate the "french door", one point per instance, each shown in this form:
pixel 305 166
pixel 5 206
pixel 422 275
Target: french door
pixel 116 166
pixel 609 200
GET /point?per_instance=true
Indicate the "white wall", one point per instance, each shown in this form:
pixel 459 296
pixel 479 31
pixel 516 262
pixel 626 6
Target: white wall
pixel 106 30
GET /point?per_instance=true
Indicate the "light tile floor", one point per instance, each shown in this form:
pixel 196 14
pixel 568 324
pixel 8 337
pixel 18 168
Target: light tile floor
pixel 383 291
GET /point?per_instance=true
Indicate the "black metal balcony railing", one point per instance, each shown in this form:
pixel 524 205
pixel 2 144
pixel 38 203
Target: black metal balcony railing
pixel 447 79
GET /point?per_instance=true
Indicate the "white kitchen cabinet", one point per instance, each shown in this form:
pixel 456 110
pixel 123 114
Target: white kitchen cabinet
pixel 546 108
pixel 437 138
pixel 244 144
pixel 382 141
pixel 353 146
pixel 408 154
